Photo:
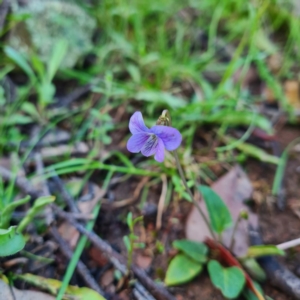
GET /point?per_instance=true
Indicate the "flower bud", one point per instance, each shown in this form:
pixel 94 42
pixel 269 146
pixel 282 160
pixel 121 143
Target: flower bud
pixel 244 215
pixel 164 119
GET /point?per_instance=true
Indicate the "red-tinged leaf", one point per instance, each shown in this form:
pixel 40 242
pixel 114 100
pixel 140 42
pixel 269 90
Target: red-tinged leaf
pixel 227 258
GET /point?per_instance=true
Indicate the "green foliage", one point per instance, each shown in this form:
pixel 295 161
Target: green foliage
pixel 53 286
pixel 249 295
pixel 130 240
pixel 263 250
pixel 253 269
pixel 181 270
pixel 38 205
pixel 11 241
pixel 230 281
pixel 6 213
pixel 195 250
pixel 219 215
pixel 188 263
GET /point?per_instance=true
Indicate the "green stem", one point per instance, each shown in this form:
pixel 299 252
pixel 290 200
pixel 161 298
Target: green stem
pixel 231 245
pixel 181 173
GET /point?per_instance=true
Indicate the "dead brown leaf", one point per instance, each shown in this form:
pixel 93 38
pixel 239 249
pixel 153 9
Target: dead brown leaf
pixel 234 188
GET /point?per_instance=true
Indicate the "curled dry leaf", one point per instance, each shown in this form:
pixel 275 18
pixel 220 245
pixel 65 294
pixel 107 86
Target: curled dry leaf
pixel 234 188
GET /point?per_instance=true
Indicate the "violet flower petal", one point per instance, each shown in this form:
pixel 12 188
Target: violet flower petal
pixel 170 136
pixel 150 146
pixel 137 141
pixel 136 123
pixel 160 151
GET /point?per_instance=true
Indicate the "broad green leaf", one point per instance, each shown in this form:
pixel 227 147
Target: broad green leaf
pixel 11 242
pixel 182 269
pixel 230 281
pixel 53 285
pixel 19 60
pixel 263 250
pixel 194 250
pixel 218 212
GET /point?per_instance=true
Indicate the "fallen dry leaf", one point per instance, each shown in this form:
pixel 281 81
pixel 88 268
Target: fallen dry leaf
pixel 234 188
pixel 5 294
pixel 143 261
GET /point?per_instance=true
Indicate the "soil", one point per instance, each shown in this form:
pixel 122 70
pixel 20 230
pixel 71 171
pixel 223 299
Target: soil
pixel 277 226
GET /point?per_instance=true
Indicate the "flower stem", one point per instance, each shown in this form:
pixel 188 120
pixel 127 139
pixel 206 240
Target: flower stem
pixel 231 245
pixel 181 173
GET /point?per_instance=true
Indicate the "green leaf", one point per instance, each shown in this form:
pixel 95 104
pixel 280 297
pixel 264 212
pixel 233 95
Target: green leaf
pixel 127 243
pixel 53 285
pixel 194 250
pixel 58 54
pixel 9 209
pixel 254 269
pixel 219 214
pixel 182 269
pixel 19 60
pixel 263 250
pixel 38 205
pixel 249 295
pixel 235 118
pixel 18 119
pixel 252 151
pixel 130 221
pixel 230 281
pixel 161 98
pixel 11 242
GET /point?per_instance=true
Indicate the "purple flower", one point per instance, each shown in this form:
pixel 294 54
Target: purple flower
pixel 151 141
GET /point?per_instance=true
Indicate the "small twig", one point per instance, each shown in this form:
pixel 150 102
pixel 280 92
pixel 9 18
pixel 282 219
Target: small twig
pixel 232 241
pixel 64 193
pixel 45 190
pixel 132 199
pixel 39 165
pixel 21 182
pixel 81 267
pixel 161 202
pixel 289 244
pixel 159 292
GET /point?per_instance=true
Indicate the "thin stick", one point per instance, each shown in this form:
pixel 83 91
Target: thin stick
pixel 158 291
pixel 81 267
pixel 161 202
pixel 231 245
pixel 289 244
pixel 21 182
pixel 64 193
pixel 39 165
pixel 181 173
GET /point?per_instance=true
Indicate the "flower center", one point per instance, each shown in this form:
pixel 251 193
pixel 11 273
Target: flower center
pixel 151 142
